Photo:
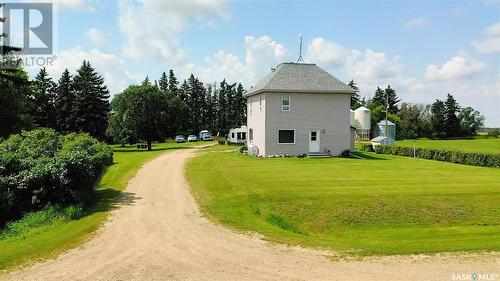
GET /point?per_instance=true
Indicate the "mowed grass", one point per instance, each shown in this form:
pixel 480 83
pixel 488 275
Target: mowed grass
pixel 478 144
pixel 50 240
pixel 383 205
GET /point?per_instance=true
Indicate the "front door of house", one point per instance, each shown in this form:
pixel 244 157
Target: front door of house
pixel 314 141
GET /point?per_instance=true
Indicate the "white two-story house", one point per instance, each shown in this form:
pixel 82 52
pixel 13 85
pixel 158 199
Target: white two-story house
pixel 297 109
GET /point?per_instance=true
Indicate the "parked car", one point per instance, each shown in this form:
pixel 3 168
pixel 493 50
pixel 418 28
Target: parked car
pixel 192 138
pixel 205 135
pixel 180 138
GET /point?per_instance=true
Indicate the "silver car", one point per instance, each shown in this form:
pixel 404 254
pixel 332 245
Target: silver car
pixel 180 138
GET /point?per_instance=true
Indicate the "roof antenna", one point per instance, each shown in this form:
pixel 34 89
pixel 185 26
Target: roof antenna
pixel 300 60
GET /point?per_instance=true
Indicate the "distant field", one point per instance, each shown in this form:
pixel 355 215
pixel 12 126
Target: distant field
pixel 382 205
pixel 479 144
pixel 50 240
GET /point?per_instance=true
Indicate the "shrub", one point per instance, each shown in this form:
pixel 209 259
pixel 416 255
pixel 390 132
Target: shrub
pixel 40 168
pixel 243 149
pixel 494 133
pixel 221 141
pixel 345 154
pixel 366 147
pixel 474 159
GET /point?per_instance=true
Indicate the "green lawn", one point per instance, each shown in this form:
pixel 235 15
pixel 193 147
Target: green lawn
pixel 383 205
pixel 478 144
pixel 50 240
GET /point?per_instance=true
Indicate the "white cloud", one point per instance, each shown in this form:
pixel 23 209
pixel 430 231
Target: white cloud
pixel 325 53
pixel 110 66
pixel 373 65
pixel 460 66
pixel 415 24
pixel 491 40
pixel 151 26
pixel 95 36
pixel 261 53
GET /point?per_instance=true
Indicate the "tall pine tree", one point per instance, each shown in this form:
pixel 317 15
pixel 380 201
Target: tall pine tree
pixel 355 102
pixel 452 123
pixel 173 84
pixel 163 82
pixel 65 98
pixel 438 119
pixel 44 100
pixel 91 101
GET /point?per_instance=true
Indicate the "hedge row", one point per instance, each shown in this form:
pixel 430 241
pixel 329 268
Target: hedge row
pixel 474 159
pixel 40 168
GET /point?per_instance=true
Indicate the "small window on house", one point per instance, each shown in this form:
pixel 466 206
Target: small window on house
pixel 250 134
pixel 260 103
pixel 242 136
pixel 232 135
pixel 285 103
pixel 286 136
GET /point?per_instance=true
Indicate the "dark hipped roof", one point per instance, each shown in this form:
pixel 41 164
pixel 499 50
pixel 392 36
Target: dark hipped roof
pixel 300 77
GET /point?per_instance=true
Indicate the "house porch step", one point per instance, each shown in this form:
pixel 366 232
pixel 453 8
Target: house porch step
pixel 318 155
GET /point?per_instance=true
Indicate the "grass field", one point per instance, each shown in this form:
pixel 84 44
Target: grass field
pixel 50 240
pixel 478 144
pixel 382 205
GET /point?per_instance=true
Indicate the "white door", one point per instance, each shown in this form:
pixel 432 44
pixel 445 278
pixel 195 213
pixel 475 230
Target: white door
pixel 314 141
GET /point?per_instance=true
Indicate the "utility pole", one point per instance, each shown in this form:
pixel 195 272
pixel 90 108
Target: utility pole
pixel 386 112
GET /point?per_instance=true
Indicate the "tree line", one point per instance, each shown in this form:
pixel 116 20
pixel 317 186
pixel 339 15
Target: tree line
pixel 151 111
pixel 441 119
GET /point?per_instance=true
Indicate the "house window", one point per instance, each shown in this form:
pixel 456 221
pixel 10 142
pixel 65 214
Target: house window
pixel 250 134
pixel 232 135
pixel 285 103
pixel 286 136
pixel 260 103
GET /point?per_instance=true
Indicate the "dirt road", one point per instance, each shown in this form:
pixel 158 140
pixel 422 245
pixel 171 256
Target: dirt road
pixel 159 234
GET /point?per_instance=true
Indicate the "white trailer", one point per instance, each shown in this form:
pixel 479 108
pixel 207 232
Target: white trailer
pixel 238 135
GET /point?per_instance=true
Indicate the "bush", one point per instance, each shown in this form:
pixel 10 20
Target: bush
pixel 221 141
pixel 345 154
pixel 474 159
pixel 40 168
pixel 243 149
pixel 366 147
pixel 494 133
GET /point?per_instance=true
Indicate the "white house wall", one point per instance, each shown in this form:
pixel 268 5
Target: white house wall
pixel 328 113
pixel 255 120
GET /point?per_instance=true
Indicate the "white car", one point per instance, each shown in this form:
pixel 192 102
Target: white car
pixel 180 138
pixel 192 138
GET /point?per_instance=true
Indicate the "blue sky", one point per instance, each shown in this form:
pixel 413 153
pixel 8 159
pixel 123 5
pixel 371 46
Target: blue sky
pixel 424 49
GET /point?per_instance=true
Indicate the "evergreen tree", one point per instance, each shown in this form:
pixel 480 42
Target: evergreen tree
pixel 146 81
pixel 355 98
pixel 222 107
pixel 195 103
pixel 91 101
pixel 65 104
pixel 173 84
pixel 163 82
pixel 240 106
pixel 438 119
pixel 452 123
pixel 382 96
pixel 210 112
pixel 44 100
pixel 14 91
